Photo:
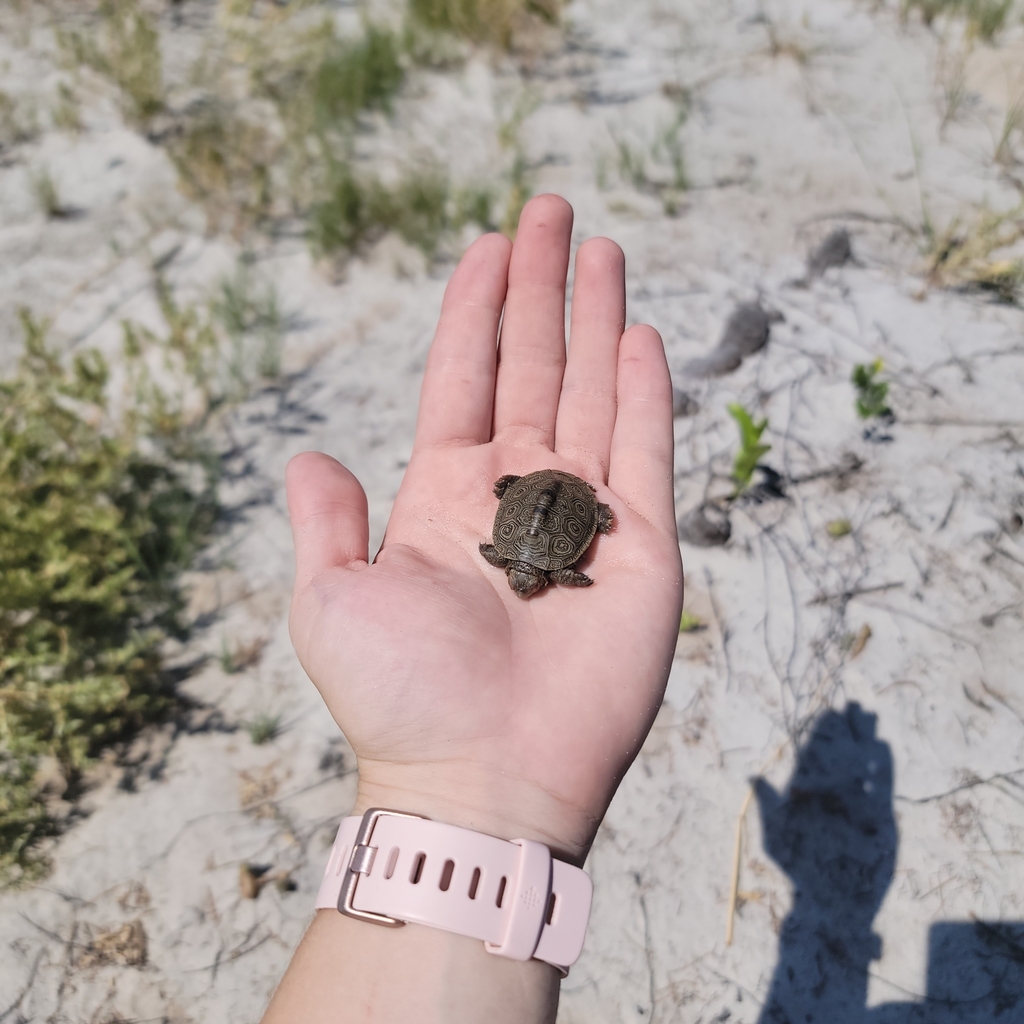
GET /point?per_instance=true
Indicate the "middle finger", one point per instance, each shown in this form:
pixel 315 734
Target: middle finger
pixel 531 351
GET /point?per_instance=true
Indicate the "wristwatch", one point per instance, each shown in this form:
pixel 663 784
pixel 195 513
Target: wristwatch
pixel 389 867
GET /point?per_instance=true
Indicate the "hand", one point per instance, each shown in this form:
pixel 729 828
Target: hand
pixel 461 700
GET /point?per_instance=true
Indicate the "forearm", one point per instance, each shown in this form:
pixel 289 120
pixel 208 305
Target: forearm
pixel 353 971
pixel 350 971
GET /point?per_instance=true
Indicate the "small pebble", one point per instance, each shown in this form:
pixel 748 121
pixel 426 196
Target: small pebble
pixel 683 404
pixel 706 526
pixel 834 251
pixel 745 332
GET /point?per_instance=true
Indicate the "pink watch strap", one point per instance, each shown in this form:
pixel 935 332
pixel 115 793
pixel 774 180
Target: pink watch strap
pixel 390 868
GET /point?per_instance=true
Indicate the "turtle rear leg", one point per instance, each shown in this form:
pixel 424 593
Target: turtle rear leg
pixel 570 578
pixel 490 552
pixel 503 483
pixel 605 518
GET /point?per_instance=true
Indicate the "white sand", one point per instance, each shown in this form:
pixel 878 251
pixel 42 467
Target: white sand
pixel 778 151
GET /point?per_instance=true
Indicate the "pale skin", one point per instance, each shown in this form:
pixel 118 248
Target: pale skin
pixel 461 700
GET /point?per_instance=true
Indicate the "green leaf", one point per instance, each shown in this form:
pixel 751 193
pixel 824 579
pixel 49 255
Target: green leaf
pixel 871 393
pixel 690 623
pixel 751 450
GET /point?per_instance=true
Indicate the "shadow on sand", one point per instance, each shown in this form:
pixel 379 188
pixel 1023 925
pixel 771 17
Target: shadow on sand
pixel 834 833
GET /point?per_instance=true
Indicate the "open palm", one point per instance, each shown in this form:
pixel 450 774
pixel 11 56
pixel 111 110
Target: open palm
pixel 461 700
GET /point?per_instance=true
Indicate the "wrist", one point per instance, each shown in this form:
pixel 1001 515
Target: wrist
pixel 493 803
pixel 348 971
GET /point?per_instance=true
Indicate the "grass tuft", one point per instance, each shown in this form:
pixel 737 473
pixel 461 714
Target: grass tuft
pixel 985 18
pixel 420 206
pixel 251 316
pixel 242 656
pixel 283 109
pixel 952 79
pixel 1013 126
pixel 67 111
pixel 655 167
pixel 126 50
pixel 965 256
pixel 497 23
pixel 357 75
pixel 263 728
pixel 46 193
pixel 18 121
pixel 223 161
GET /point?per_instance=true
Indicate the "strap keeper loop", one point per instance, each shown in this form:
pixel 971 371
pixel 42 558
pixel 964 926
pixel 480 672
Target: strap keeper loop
pixel 528 902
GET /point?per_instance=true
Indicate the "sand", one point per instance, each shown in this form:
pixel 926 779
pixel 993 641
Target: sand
pixel 804 117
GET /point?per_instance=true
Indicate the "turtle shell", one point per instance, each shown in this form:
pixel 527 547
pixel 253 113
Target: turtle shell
pixel 549 534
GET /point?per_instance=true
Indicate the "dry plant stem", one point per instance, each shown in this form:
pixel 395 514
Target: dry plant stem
pixel 737 850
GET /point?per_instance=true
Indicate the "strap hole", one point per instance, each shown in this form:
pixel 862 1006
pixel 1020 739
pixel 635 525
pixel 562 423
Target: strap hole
pixel 446 875
pixel 417 868
pixel 501 891
pixel 549 916
pixel 474 883
pixel 389 868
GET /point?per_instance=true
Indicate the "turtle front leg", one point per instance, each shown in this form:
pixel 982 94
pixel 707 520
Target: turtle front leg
pixel 570 577
pixel 605 518
pixel 490 552
pixel 503 483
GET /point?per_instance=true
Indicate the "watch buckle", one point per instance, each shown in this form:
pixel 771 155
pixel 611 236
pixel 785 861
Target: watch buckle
pixel 360 863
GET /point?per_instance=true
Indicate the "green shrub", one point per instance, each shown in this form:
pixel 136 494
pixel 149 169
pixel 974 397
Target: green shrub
pixel 96 520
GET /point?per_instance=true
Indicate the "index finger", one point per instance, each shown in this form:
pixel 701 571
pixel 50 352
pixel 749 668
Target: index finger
pixel 457 396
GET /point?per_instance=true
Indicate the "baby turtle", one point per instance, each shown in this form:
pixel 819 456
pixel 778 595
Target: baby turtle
pixel 544 525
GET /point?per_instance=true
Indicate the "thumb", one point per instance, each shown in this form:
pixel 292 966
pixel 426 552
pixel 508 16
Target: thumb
pixel 327 507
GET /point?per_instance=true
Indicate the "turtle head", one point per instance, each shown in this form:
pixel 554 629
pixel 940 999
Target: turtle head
pixel 524 579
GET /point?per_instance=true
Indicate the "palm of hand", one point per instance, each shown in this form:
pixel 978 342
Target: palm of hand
pixel 441 677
